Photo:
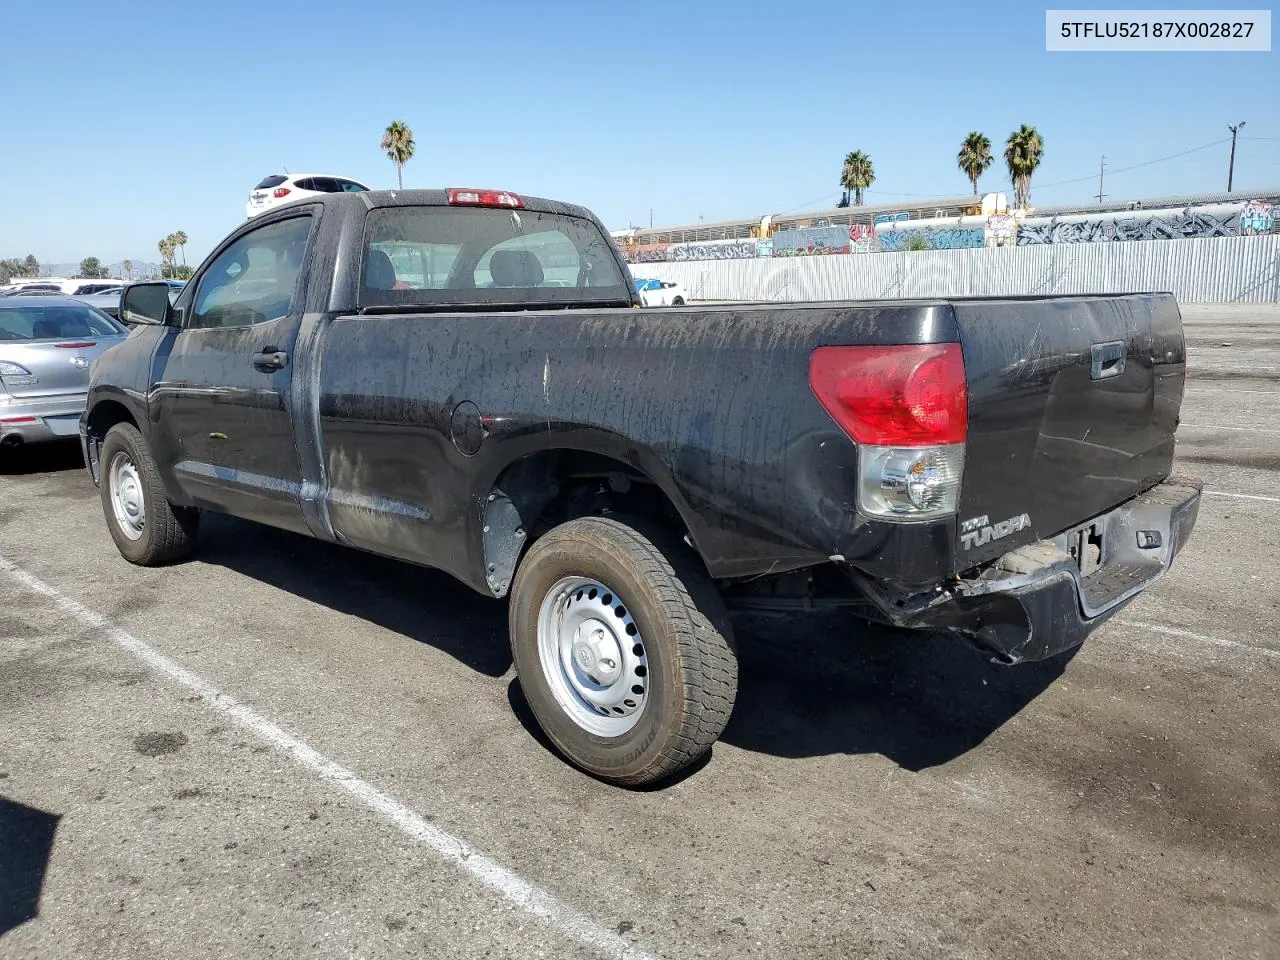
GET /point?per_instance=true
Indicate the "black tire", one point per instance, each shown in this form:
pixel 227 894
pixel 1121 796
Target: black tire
pixel 692 668
pixel 678 302
pixel 168 532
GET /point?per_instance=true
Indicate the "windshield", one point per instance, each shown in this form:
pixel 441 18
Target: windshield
pixel 477 256
pixel 56 321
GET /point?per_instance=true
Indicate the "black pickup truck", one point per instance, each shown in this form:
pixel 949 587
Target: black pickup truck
pixel 467 380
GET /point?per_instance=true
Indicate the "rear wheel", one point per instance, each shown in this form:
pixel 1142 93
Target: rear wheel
pixel 147 529
pixel 678 302
pixel 623 648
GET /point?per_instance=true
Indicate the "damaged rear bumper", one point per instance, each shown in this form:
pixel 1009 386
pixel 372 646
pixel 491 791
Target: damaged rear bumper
pixel 1035 602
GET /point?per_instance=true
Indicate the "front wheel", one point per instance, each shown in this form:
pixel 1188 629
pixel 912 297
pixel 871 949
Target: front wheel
pixel 623 648
pixel 678 302
pixel 147 529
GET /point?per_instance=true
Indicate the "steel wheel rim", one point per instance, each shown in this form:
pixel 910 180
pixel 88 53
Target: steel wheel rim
pixel 127 500
pixel 593 656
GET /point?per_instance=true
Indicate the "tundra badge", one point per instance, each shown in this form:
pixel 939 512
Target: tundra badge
pixel 980 530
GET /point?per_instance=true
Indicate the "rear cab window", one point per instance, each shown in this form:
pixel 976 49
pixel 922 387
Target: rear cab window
pixel 56 322
pixel 441 256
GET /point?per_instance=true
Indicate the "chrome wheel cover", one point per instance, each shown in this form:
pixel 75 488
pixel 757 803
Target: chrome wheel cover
pixel 593 656
pixel 124 487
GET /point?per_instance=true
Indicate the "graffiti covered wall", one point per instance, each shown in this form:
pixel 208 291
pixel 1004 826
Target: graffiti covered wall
pixel 935 238
pixel 810 241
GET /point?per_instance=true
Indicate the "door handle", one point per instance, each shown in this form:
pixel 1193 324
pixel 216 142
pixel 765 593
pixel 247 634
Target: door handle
pixel 270 359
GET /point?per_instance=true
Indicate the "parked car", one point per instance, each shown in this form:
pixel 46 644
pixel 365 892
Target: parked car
pixel 661 293
pixel 286 188
pixel 88 287
pixel 17 284
pixel 47 345
pixel 31 290
pixel 107 301
pixel 396 372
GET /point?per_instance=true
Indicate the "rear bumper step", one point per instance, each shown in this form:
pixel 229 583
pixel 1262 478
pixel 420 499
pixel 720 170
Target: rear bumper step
pixel 1034 602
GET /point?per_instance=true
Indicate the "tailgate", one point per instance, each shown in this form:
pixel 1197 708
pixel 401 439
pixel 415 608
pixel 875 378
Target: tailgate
pixel 1073 404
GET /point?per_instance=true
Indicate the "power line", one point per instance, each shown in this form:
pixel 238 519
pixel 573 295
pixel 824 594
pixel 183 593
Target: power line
pixel 1145 163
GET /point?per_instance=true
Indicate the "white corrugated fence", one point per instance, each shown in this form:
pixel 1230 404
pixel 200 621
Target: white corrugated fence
pixel 1217 270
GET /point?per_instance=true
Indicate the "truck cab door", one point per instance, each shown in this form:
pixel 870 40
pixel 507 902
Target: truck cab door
pixel 221 383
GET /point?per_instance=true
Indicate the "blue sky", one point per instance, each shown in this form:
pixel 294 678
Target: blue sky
pixel 136 119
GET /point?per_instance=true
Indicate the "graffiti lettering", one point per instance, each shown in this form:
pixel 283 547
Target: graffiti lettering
pixel 862 238
pixel 1155 225
pixel 1258 217
pixel 944 238
pixel 712 250
pixel 810 241
pixel 1002 229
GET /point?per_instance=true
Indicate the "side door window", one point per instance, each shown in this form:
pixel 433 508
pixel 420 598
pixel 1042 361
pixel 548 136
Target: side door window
pixel 254 280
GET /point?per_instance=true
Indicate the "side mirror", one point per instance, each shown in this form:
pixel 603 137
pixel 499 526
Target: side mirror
pixel 146 303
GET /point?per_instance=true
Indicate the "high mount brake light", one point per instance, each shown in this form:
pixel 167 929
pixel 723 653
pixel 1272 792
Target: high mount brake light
pixel 908 395
pixel 468 197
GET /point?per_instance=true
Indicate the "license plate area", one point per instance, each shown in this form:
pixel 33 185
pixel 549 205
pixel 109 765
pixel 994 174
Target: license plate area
pixel 1085 544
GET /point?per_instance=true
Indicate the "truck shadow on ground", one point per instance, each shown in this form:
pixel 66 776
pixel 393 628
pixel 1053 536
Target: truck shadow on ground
pixel 833 684
pixel 26 839
pixel 416 602
pixel 41 458
pixel 809 686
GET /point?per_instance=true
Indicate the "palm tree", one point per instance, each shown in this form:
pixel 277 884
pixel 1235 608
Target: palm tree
pixel 398 143
pixel 1023 152
pixel 857 174
pixel 179 239
pixel 165 247
pixel 974 157
pixel 127 266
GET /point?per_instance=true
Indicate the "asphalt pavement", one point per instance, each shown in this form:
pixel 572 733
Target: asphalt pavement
pixel 284 748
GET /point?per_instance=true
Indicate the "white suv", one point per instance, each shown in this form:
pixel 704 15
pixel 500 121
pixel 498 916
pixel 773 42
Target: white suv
pixel 285 188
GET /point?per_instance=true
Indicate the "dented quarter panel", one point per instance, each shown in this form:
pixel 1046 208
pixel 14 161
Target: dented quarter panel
pixel 711 403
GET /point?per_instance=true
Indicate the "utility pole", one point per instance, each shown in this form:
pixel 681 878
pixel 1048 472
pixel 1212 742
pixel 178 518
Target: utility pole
pixel 1102 169
pixel 1231 167
pixel 651 218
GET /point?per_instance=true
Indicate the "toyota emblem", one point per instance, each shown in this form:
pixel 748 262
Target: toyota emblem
pixel 79 362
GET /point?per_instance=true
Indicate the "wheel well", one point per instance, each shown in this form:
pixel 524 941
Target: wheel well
pixel 104 415
pixel 548 488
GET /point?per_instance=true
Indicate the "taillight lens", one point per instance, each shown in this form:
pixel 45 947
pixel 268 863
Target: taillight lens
pixel 906 406
pixel 8 369
pixel 909 395
pixel 279 192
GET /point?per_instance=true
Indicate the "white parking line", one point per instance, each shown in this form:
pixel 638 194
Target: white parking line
pixel 1203 389
pixel 453 850
pixel 1240 496
pixel 1218 426
pixel 1247 648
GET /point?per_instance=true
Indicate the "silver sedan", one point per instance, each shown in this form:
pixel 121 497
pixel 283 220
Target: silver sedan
pixel 47 345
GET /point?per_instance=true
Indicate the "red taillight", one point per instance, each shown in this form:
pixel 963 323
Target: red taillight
pixel 17 419
pixel 911 395
pixel 466 197
pixel 75 346
pixel 280 192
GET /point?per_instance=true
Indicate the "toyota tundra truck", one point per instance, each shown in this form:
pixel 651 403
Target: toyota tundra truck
pixel 467 380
